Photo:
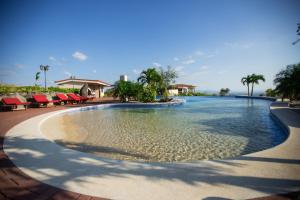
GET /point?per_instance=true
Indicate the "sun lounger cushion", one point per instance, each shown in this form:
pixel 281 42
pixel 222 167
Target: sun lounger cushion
pixel 13 101
pixel 62 97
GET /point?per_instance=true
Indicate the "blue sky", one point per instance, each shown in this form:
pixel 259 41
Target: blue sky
pixel 211 44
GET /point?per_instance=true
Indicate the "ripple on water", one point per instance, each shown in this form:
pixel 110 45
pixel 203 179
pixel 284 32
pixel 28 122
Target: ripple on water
pixel 203 128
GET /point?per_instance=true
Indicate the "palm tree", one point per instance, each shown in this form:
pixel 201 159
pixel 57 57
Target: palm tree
pixel 254 79
pixel 246 81
pixel 37 77
pixel 45 68
pixel 298 33
pixel 150 77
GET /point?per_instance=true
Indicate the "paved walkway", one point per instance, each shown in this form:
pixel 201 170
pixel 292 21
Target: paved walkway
pixel 207 177
pixel 16 185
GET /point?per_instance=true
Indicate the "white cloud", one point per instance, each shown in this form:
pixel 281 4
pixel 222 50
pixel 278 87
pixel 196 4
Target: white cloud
pixel 136 71
pixel 176 59
pixel 55 61
pixel 155 64
pixel 79 56
pixel 94 71
pixel 188 62
pixel 52 58
pixel 19 66
pixel 199 53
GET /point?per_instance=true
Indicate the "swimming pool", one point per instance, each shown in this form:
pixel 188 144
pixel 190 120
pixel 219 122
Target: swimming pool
pixel 202 128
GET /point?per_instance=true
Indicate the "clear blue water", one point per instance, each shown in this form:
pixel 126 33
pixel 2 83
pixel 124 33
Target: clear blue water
pixel 202 128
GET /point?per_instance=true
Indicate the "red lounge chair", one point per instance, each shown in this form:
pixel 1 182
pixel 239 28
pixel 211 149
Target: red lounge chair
pixel 83 99
pixel 77 98
pixel 74 98
pixel 41 99
pixel 14 102
pixel 62 98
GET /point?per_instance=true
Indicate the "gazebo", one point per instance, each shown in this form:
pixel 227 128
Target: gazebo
pixel 95 86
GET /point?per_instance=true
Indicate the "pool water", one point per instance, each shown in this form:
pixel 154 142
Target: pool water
pixel 202 128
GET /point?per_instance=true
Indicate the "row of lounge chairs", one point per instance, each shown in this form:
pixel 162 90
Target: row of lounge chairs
pixel 41 100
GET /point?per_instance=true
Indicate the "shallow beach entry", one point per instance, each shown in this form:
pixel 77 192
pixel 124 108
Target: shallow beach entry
pixel 202 128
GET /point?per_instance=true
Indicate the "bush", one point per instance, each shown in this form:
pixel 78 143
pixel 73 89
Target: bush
pixel 126 90
pixel 287 82
pixel 109 92
pixel 63 90
pixel 148 94
pixel 6 89
pixel 270 93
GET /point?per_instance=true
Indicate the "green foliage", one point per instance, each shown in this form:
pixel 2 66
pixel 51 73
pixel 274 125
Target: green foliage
pixel 255 78
pixel 246 81
pixel 63 90
pixel 252 79
pixel 148 94
pixel 145 90
pixel 151 82
pixel 109 92
pixel 270 92
pixel 37 76
pixel 6 89
pixel 135 90
pixel 287 82
pixel 298 33
pixel 167 77
pixel 150 77
pixel 126 90
pixel 224 91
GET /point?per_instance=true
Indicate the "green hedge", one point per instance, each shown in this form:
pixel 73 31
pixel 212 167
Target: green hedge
pixel 6 89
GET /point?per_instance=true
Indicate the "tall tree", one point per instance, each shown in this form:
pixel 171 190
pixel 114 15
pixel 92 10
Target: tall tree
pixel 150 77
pixel 287 82
pixel 298 33
pixel 37 77
pixel 254 79
pixel 167 77
pixel 246 81
pixel 45 68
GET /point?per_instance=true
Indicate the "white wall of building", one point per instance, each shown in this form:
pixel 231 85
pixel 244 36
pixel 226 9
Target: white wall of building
pixel 173 92
pixel 70 85
pixel 99 90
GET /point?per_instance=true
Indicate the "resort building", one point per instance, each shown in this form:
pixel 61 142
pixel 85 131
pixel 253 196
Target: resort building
pixel 180 89
pixel 96 87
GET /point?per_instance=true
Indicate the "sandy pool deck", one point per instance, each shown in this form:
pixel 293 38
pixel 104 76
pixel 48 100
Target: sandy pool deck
pixel 275 170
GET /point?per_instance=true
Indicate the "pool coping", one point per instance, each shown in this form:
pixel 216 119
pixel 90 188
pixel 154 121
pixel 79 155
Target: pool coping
pixel 188 179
